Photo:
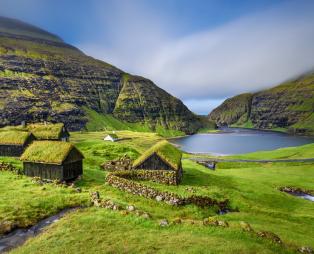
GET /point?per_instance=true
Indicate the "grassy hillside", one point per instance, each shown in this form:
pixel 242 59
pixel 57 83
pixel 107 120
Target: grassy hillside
pixel 108 122
pixel 299 152
pixel 287 107
pixel 252 189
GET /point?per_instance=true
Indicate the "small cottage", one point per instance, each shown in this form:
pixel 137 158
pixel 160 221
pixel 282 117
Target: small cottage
pixel 49 131
pixel 162 156
pixel 111 137
pixel 13 143
pixel 53 160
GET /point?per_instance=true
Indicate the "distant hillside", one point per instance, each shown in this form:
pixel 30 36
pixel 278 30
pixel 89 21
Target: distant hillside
pixel 288 107
pixel 43 78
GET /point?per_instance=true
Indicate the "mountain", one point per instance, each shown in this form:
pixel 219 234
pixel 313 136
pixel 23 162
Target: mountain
pixel 288 107
pixel 43 78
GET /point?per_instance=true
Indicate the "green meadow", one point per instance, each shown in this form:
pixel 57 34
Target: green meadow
pixel 252 189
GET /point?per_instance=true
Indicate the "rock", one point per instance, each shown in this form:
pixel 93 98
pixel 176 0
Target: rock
pixel 145 216
pixel 130 208
pixel 6 227
pixel 210 221
pixel 78 190
pixel 246 226
pixel 159 198
pixel 164 223
pixel 223 223
pixel 270 236
pixel 306 249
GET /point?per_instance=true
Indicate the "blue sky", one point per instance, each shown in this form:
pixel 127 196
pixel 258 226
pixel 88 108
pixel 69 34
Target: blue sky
pixel 201 51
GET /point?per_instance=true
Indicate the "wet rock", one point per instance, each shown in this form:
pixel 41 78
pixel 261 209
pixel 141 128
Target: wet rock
pixel 270 236
pixel 306 249
pixel 164 223
pixel 246 226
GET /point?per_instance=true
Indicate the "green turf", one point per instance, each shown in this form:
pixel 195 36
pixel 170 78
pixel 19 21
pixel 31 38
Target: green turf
pixel 252 188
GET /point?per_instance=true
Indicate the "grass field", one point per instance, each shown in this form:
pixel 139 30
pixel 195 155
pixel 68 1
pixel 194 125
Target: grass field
pixel 252 189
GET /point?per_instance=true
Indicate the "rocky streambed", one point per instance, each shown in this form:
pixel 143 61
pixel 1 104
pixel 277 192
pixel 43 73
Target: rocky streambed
pixel 298 192
pixel 18 236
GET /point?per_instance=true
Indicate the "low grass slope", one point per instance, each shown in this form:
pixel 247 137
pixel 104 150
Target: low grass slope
pixel 252 189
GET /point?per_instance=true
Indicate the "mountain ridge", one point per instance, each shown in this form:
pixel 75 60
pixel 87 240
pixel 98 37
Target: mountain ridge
pixel 50 80
pixel 288 107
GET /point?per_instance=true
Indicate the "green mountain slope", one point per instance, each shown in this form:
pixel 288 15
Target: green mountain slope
pixel 289 107
pixel 43 78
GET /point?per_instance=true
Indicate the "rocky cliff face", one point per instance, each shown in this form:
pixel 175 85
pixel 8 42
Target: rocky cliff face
pixel 289 106
pixel 42 78
pixel 235 109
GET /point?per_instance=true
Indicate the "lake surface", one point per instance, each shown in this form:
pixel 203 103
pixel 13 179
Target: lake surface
pixel 237 141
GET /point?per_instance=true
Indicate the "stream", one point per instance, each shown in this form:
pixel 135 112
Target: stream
pixel 302 195
pixel 18 236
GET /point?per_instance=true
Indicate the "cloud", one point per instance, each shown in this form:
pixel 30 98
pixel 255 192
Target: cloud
pixel 247 54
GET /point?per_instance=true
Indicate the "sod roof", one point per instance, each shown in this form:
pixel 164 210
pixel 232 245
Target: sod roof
pixel 13 137
pixel 113 135
pixel 50 152
pixel 46 131
pixel 165 151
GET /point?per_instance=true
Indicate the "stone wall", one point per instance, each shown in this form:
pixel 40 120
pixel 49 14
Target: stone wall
pixel 124 183
pixel 159 176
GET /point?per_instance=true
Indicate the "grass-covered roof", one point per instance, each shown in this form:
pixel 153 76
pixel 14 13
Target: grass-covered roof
pixel 46 131
pixel 14 137
pixel 165 151
pixel 113 135
pixel 51 152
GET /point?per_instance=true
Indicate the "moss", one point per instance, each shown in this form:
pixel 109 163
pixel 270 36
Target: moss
pixel 166 151
pixel 62 107
pixel 46 131
pixel 13 137
pixel 47 152
pixel 12 74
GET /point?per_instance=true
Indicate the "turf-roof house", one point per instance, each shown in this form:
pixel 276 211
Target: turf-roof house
pixel 13 143
pixel 49 131
pixel 53 160
pixel 162 156
pixel 111 137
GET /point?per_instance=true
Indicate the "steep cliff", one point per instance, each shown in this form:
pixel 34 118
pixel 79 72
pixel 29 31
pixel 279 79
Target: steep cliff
pixel 289 106
pixel 43 78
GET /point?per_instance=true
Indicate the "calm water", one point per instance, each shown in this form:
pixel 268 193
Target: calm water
pixel 237 141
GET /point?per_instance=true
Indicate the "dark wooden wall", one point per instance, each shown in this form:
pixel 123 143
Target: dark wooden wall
pixel 66 171
pixel 45 171
pixel 154 162
pixel 72 170
pixel 11 150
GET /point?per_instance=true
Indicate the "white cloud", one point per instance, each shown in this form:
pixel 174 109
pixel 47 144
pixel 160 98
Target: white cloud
pixel 248 54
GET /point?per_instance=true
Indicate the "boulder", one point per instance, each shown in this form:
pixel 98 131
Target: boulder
pixel 306 249
pixel 270 236
pixel 164 223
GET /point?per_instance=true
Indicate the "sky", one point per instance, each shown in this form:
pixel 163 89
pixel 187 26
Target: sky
pixel 201 51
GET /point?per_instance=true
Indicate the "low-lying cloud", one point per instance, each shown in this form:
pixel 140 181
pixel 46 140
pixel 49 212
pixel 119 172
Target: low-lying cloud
pixel 202 68
pixel 248 54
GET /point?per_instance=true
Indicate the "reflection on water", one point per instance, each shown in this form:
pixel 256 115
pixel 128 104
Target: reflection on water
pixel 237 141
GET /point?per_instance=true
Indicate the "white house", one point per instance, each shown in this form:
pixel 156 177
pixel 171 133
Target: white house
pixel 111 137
